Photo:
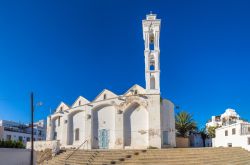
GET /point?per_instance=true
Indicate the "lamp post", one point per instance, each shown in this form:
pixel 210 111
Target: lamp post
pixel 32 127
pixel 32 108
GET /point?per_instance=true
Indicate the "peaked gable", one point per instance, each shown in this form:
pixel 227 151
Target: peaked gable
pixel 105 94
pixel 80 101
pixel 134 90
pixel 61 107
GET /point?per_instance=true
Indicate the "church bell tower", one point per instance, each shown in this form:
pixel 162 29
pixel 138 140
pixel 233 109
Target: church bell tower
pixel 151 35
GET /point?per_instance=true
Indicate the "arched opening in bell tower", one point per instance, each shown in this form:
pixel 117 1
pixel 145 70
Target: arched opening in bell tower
pixel 152 82
pixel 151 41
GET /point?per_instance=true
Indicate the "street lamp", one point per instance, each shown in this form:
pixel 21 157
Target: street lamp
pixel 32 125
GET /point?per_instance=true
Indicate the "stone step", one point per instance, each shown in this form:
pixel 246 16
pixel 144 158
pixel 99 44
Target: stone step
pixel 191 156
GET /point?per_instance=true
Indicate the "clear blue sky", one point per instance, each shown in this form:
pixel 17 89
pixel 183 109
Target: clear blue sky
pixel 63 49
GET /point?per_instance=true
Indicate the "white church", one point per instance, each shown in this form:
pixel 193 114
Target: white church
pixel 138 119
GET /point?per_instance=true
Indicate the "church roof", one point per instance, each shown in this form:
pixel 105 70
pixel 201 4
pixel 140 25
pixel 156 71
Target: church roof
pixel 80 101
pixel 105 94
pixel 61 107
pixel 135 89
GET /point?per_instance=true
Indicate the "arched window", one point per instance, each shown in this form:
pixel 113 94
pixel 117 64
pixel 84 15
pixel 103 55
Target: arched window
pixel 152 67
pixel 152 82
pixel 151 41
pixel 152 62
pixel 104 96
pixel 59 121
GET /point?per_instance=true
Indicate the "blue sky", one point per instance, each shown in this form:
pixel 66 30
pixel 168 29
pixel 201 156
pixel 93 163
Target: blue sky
pixel 63 49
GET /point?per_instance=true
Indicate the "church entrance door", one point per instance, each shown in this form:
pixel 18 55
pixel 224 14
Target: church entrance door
pixel 103 138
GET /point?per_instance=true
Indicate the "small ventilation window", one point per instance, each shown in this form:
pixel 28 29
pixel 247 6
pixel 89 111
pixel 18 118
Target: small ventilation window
pixel 59 121
pixel 79 103
pixel 77 134
pixel 226 133
pixel 233 131
pixel 104 96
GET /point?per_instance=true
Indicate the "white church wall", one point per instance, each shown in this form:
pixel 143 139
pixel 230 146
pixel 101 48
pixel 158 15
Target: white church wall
pixel 154 121
pixel 168 123
pixel 104 120
pixel 57 128
pixel 136 127
pixel 76 121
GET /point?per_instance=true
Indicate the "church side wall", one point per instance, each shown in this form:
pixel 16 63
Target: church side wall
pixel 154 121
pixel 168 123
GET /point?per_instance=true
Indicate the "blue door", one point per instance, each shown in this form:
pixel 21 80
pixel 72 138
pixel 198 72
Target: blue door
pixel 103 137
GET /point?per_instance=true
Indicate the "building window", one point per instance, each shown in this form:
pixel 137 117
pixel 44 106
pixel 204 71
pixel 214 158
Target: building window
pixel 104 96
pixel 248 129
pixel 136 92
pixel 55 136
pixel 249 141
pixel 152 82
pixel 226 133
pixel 77 134
pixel 79 102
pixel 20 138
pixel 59 121
pixel 28 139
pixel 233 131
pixel 8 137
pixel 61 108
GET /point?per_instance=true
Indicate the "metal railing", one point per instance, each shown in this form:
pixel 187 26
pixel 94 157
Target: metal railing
pixel 65 162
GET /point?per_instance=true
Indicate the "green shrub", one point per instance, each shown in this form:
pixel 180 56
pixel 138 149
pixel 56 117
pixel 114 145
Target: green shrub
pixel 11 144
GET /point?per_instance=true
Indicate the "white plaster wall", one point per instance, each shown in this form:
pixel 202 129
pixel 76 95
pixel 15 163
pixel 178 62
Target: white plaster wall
pixel 11 156
pixel 168 121
pixel 136 127
pixel 155 131
pixel 237 140
pixel 77 120
pixel 42 145
pixel 104 118
pixel 57 128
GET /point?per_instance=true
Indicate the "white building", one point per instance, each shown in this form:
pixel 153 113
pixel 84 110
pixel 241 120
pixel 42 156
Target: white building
pixel 234 135
pixel 10 130
pixel 139 118
pixel 228 117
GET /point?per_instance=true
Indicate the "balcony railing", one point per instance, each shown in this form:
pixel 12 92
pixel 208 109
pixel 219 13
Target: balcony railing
pixel 245 129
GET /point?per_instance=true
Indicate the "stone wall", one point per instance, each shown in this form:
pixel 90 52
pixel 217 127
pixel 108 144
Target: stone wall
pixel 42 145
pixel 182 142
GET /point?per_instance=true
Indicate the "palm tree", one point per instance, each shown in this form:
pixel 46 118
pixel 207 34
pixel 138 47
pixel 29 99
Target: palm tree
pixel 184 123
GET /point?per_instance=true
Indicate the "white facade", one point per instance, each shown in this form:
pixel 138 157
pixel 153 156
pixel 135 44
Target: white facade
pixel 139 118
pixel 10 130
pixel 234 135
pixel 228 117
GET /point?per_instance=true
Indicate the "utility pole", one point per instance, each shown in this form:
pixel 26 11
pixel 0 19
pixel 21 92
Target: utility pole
pixel 32 128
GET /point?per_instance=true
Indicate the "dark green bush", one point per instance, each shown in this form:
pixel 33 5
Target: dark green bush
pixel 11 144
